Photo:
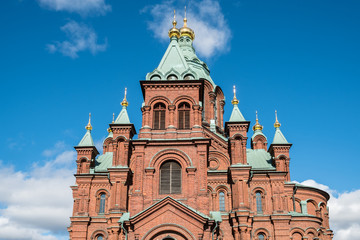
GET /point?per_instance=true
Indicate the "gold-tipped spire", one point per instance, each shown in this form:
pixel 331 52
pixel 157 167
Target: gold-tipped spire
pixel 88 126
pixel 257 125
pixel 185 30
pixel 174 32
pixel 125 103
pixel 276 124
pixel 234 101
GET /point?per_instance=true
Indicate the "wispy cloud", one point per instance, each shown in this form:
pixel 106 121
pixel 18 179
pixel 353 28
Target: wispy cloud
pixel 37 204
pixel 83 7
pixel 205 17
pixel 80 38
pixel 344 211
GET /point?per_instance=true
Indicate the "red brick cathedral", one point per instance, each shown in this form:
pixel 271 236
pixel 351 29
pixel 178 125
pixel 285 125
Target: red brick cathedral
pixel 188 175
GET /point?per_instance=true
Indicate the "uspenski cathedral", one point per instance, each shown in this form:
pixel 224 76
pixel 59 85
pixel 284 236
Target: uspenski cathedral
pixel 189 174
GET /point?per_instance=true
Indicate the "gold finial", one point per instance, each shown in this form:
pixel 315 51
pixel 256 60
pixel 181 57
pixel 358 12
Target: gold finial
pixel 185 31
pixel 125 103
pixel 276 124
pixel 234 101
pixel 113 118
pixel 88 126
pixel 257 125
pixel 109 130
pixel 174 32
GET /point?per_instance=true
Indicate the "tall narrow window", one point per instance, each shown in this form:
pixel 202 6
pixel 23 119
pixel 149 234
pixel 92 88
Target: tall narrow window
pixel 259 203
pixel 261 236
pixel 159 116
pixel 184 116
pixel 222 202
pixel 102 203
pixel 170 178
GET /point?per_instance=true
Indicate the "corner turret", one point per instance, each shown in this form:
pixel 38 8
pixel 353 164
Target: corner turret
pixel 86 151
pixel 279 150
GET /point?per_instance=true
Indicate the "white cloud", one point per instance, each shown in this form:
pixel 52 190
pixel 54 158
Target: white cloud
pixel 212 33
pixel 83 7
pixel 37 204
pixel 344 211
pixel 80 38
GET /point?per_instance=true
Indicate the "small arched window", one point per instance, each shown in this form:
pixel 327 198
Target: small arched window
pixel 102 203
pixel 259 209
pixel 261 236
pixel 222 202
pixel 99 237
pixel 184 116
pixel 170 178
pixel 159 116
pixel 189 77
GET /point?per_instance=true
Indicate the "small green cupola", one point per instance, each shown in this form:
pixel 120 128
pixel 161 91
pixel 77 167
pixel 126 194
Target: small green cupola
pixel 87 140
pixel 278 137
pixel 258 139
pixel 236 115
pixel 123 117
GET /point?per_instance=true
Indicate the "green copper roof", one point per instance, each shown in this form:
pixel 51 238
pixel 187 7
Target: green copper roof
pixel 258 132
pixel 103 162
pixel 279 137
pixel 259 159
pixel 87 140
pixel 123 117
pixel 236 115
pixel 180 60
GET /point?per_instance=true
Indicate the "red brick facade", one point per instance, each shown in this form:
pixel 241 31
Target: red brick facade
pixel 224 194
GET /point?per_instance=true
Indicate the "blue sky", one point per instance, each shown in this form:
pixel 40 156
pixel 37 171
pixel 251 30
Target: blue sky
pixel 61 60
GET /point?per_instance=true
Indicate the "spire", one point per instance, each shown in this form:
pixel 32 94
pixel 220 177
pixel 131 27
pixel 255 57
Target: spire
pixel 185 30
pixel 87 140
pixel 279 137
pixel 234 101
pixel 123 117
pixel 174 32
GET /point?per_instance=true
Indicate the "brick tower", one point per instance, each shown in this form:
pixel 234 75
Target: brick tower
pixel 188 175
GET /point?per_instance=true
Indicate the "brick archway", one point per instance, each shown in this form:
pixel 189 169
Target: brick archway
pixel 165 231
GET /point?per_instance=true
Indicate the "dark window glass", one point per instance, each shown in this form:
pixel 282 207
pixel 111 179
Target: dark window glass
pixel 222 202
pixel 170 178
pixel 184 116
pixel 159 116
pixel 259 202
pixel 102 203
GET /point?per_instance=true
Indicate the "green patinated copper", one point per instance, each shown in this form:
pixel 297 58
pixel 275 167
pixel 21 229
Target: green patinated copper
pixel 236 115
pixel 87 140
pixel 180 60
pixel 279 137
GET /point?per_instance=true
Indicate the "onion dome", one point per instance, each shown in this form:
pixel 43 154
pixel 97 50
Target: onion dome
pixel 88 126
pixel 257 125
pixel 234 101
pixel 174 32
pixel 185 31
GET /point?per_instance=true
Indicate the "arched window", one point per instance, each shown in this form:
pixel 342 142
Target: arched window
pixel 222 202
pixel 102 203
pixel 172 77
pixel 259 209
pixel 261 236
pixel 170 178
pixel 159 116
pixel 189 77
pixel 99 237
pixel 184 116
